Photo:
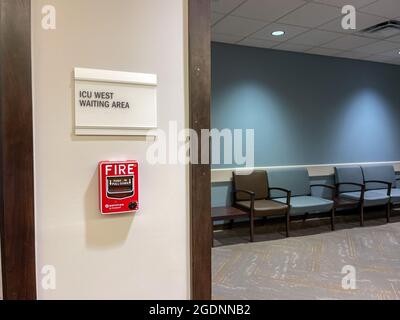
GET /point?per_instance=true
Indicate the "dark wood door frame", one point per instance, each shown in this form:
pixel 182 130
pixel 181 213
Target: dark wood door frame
pixel 17 221
pixel 199 118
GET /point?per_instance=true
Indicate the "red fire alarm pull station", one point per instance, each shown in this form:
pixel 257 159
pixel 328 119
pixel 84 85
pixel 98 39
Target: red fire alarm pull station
pixel 119 187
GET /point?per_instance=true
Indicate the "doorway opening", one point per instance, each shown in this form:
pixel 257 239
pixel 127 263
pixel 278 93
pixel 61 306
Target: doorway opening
pixel 299 221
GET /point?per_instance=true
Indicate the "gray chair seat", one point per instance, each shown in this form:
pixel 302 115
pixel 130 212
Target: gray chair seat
pixel 307 204
pixel 264 207
pixel 371 198
pixel 395 194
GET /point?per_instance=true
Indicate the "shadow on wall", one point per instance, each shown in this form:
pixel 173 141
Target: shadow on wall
pixel 103 231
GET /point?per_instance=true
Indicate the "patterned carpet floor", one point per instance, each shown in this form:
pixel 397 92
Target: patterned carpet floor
pixel 308 266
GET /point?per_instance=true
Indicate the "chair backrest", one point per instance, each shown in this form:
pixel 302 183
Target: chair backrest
pixel 256 182
pixel 379 172
pixel 351 174
pixel 296 180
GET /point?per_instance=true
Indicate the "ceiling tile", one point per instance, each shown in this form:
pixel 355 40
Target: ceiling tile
pixel 395 61
pixel 395 39
pixel 323 51
pixel 226 38
pixel 292 47
pixel 384 34
pixel 394 53
pixel 384 8
pixel 259 43
pixel 341 3
pixel 378 58
pixel 377 47
pixel 311 15
pixel 362 21
pixel 225 6
pixel 270 10
pixel 290 32
pixel 353 55
pixel 315 38
pixel 237 26
pixel 348 42
pixel 215 17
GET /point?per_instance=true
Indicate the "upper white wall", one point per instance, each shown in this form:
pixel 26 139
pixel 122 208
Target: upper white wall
pixel 122 257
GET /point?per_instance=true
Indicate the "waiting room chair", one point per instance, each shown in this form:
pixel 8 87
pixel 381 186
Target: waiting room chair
pixel 351 185
pixel 302 202
pixel 378 178
pixel 252 194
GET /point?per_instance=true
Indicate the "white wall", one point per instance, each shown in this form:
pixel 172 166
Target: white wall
pixel 123 257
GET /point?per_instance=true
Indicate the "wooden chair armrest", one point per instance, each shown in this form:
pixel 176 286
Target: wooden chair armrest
pixel 252 196
pixel 389 185
pixel 362 187
pixel 288 194
pixel 350 183
pixel 280 189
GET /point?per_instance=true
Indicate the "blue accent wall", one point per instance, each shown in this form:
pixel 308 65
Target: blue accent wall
pixel 307 109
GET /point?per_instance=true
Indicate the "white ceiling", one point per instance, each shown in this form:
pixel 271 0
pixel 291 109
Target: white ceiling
pixel 311 26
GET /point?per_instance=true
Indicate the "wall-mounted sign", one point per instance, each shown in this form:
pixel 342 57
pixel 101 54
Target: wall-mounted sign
pixel 114 103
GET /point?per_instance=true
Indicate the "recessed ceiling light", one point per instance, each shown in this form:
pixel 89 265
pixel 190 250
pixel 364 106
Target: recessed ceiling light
pixel 278 33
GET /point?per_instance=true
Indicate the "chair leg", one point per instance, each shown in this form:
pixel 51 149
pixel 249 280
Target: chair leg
pixel 388 211
pixel 333 219
pixel 287 224
pixel 362 215
pixel 231 224
pixel 212 234
pixel 264 221
pixel 251 228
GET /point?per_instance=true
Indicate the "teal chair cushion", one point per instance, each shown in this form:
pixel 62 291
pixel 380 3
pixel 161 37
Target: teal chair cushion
pixel 307 204
pixel 371 198
pixel 296 180
pixel 395 194
pixel 382 173
pixel 349 175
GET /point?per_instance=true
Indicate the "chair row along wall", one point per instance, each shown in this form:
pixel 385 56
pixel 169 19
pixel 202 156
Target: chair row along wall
pixel 304 109
pixel 319 174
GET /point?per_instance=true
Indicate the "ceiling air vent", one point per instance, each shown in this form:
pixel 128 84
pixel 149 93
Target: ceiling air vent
pixel 384 30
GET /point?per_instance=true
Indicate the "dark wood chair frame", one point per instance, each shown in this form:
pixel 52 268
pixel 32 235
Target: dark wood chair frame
pixel 389 194
pixel 251 211
pixel 333 211
pixel 395 205
pixel 360 202
pixel 341 203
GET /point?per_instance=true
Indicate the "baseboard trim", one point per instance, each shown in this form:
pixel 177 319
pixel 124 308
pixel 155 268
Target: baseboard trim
pixel 317 170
